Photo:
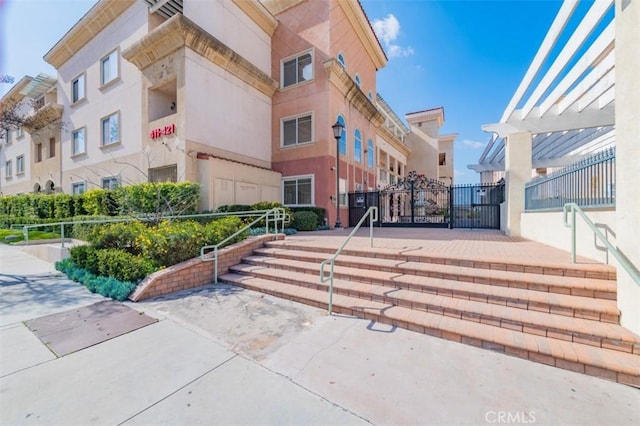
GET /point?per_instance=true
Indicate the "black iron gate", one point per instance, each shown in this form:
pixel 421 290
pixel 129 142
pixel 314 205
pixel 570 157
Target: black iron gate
pixel 423 202
pixel 477 205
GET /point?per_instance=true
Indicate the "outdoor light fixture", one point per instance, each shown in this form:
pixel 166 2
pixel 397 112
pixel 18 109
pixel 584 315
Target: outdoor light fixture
pixel 337 133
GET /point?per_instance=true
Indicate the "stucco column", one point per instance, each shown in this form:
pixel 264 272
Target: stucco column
pixel 517 163
pixel 627 154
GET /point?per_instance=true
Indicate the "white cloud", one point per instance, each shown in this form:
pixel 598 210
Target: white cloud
pixel 387 30
pixel 474 144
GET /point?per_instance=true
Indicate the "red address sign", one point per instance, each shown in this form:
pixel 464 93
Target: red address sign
pixel 169 129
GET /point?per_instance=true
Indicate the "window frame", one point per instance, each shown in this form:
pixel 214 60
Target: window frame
pixel 84 141
pixel 81 184
pixel 8 169
pixel 297 118
pixel 342 142
pixel 357 80
pixel 110 179
pixel 296 58
pixel 102 120
pixel 341 60
pixel 20 164
pixel 370 154
pixel 357 146
pixel 82 87
pixel 297 178
pixel 19 132
pixel 115 53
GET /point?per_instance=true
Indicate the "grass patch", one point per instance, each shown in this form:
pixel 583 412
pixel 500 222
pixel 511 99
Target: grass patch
pixel 33 235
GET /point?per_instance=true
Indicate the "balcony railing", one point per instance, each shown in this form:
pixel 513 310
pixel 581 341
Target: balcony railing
pixel 590 182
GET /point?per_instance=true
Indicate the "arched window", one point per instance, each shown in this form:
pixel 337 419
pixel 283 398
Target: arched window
pixel 357 79
pixel 370 154
pixel 357 146
pixel 342 144
pixel 341 60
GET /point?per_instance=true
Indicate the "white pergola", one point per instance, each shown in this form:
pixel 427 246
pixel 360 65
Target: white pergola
pixel 566 100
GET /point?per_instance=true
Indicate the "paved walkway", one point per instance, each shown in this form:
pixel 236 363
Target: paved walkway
pixel 231 356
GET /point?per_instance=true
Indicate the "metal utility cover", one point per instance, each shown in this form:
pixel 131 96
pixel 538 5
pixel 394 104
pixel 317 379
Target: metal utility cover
pixel 73 330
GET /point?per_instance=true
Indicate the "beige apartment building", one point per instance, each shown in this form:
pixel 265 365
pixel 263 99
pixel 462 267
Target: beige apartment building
pixel 238 95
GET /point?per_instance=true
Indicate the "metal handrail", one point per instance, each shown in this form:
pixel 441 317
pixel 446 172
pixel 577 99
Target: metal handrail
pixel 373 214
pixel 246 213
pixel 275 214
pixel 626 265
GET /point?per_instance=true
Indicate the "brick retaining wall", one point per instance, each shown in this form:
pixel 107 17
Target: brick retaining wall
pixel 196 272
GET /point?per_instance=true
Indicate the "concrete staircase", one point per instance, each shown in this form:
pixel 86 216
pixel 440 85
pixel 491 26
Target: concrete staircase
pixel 560 316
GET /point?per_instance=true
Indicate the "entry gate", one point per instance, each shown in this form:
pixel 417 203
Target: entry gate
pixel 422 202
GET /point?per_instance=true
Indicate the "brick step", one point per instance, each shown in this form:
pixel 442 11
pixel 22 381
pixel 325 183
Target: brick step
pixel 598 271
pixel 561 304
pixel 609 364
pixel 595 333
pixel 586 287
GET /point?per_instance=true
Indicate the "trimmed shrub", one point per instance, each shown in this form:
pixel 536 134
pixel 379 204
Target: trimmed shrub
pixel 169 243
pixel 233 208
pixel 218 230
pixel 305 221
pixel 123 266
pixel 106 286
pixel 62 206
pixel 98 202
pixel 157 197
pixel 319 211
pixel 82 231
pixel 119 235
pixel 84 257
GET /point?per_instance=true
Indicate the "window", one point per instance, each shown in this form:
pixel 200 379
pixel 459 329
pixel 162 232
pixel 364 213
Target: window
pixel 164 174
pixel 20 132
pixel 297 70
pixel 341 60
pixel 109 68
pixel 20 164
pixel 111 129
pixel 52 147
pixel 370 154
pixel 370 96
pixel 442 159
pixel 38 103
pixel 78 188
pixel 297 191
pixel 7 170
pixel 342 142
pixel 357 146
pixel 38 153
pixel 297 130
pixel 8 136
pixel 357 79
pixel 110 182
pixel 343 192
pixel 77 89
pixel 78 142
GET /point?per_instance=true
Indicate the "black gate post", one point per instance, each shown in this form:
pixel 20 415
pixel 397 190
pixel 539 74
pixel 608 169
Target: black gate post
pixel 451 206
pixel 412 205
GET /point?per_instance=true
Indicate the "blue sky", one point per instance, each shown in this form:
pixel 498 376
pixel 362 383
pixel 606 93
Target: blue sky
pixel 467 56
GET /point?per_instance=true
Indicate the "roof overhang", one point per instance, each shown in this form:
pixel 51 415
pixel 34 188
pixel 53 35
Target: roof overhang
pixel 38 86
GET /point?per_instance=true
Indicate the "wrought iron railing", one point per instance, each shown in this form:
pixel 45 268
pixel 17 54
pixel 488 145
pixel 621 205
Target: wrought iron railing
pixel 372 214
pixel 590 182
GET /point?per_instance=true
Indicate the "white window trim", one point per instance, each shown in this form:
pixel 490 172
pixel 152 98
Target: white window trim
pixel 296 178
pixel 84 86
pixel 75 184
pixel 292 117
pixel 8 169
pixel 355 159
pixel 84 130
pixel 289 58
pixel 102 142
pixel 344 59
pixel 110 178
pixel 19 132
pixel 357 80
pixel 18 170
pixel 105 84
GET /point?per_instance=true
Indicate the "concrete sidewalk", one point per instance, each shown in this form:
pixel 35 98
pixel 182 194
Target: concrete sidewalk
pixel 230 356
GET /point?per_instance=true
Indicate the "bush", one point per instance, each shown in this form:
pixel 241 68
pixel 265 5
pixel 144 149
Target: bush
pixel 157 197
pixel 319 211
pixel 123 266
pixel 106 286
pixel 233 208
pixel 84 257
pixel 119 235
pixel 169 243
pixel 99 202
pixel 218 230
pixel 305 221
pixel 82 231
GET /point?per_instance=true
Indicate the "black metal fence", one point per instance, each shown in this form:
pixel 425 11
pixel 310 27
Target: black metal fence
pixel 477 205
pixel 590 182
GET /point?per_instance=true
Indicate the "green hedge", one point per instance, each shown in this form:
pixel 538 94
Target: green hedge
pixel 319 211
pixel 157 197
pixel 106 286
pixel 305 221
